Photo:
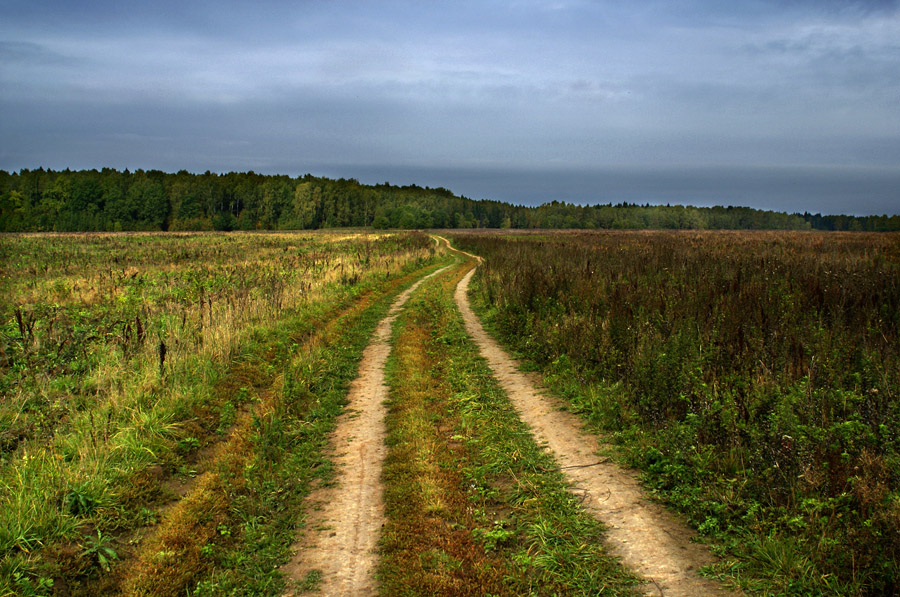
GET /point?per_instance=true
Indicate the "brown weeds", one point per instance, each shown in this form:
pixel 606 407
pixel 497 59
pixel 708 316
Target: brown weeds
pixel 774 356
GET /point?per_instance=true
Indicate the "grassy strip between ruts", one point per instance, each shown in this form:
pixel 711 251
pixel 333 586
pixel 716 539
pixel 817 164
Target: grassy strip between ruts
pixel 474 506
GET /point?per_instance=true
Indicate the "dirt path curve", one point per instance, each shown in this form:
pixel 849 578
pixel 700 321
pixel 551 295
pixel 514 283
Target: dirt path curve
pixel 342 535
pixel 649 539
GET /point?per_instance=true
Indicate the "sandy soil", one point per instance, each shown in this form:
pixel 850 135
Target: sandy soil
pixel 648 538
pixel 346 518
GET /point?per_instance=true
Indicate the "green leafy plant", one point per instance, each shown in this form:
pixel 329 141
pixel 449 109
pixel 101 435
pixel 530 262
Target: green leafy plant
pixel 99 549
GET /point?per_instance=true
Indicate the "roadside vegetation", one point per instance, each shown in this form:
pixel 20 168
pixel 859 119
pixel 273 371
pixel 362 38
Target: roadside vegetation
pixel 474 506
pixel 752 377
pixel 158 390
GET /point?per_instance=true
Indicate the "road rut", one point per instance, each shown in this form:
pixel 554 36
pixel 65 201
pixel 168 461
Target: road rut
pixel 649 539
pixel 343 534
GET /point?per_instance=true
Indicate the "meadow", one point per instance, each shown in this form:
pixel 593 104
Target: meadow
pixel 752 377
pixel 166 402
pixel 141 374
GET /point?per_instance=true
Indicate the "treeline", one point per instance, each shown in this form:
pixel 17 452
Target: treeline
pixel 112 200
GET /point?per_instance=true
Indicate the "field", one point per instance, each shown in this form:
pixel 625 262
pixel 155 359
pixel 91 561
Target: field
pixel 141 373
pixel 169 403
pixel 752 377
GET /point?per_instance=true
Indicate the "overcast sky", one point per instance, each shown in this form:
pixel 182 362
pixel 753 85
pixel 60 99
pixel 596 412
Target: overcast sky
pixel 791 105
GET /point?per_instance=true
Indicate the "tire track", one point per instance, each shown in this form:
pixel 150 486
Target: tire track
pixel 648 538
pixel 343 534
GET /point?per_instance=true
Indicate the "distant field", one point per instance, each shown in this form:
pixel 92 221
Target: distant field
pixel 753 377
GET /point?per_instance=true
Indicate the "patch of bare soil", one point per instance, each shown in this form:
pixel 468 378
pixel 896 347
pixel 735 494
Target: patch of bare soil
pixel 649 539
pixel 346 518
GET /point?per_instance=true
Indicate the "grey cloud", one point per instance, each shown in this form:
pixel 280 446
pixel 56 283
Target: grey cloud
pixel 30 54
pixel 873 191
pixel 501 86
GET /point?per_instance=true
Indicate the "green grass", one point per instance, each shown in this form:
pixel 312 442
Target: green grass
pixel 473 505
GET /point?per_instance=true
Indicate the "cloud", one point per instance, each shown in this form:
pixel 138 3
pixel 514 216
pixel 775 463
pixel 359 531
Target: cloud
pixel 499 85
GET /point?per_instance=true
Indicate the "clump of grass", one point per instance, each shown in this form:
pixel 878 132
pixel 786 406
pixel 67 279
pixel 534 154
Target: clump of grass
pixel 99 548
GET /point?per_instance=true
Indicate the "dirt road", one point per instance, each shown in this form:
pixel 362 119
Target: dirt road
pixel 347 517
pixel 649 539
pixel 343 532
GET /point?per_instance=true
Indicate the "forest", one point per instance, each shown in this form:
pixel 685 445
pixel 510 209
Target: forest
pixel 111 200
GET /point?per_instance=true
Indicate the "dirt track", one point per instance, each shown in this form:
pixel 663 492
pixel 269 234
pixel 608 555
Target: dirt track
pixel 342 534
pixel 650 540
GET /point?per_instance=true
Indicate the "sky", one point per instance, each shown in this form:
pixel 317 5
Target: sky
pixel 792 105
